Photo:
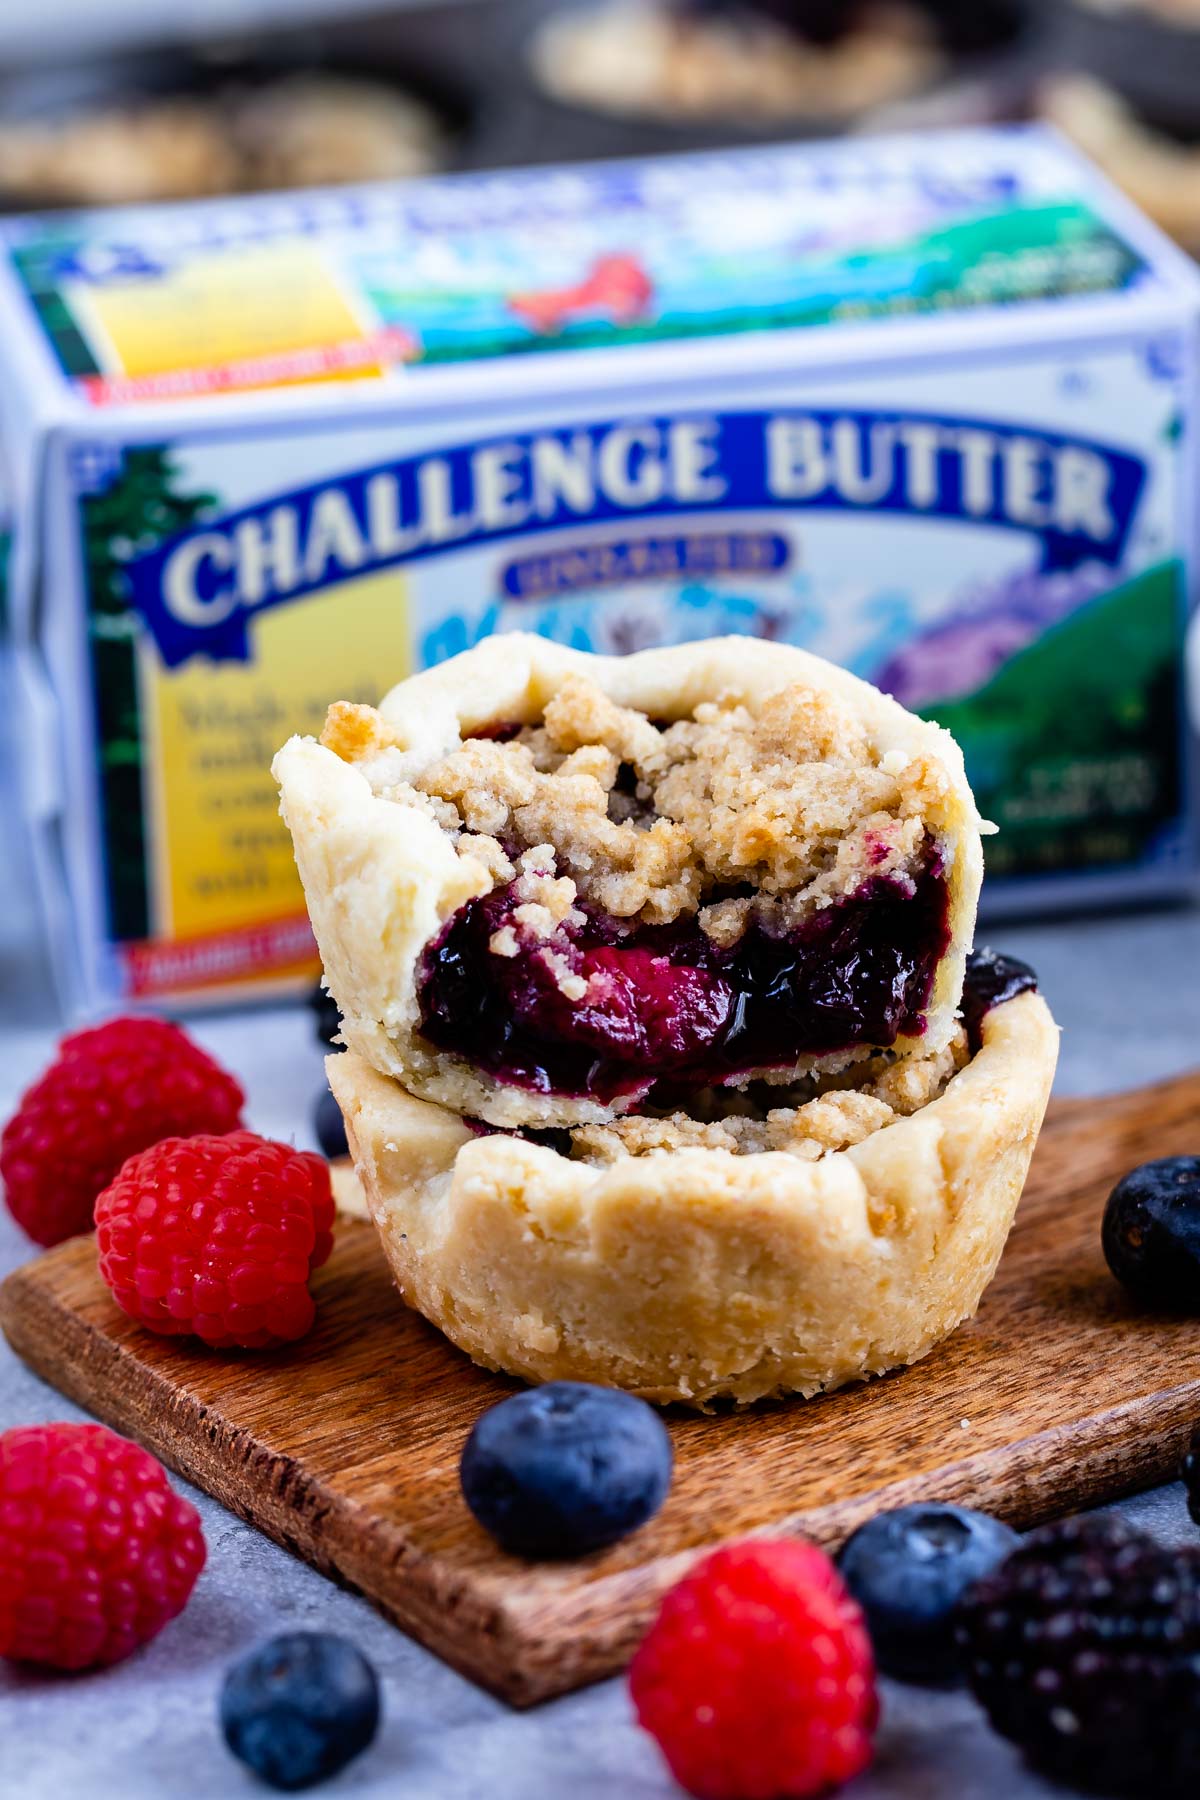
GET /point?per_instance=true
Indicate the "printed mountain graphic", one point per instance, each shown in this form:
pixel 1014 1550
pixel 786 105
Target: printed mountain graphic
pixel 1023 253
pixel 1073 746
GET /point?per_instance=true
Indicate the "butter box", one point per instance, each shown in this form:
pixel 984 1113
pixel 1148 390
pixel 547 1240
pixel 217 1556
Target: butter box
pixel 926 405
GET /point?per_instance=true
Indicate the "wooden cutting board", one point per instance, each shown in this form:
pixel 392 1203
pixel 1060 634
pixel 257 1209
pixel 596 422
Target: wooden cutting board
pixel 345 1448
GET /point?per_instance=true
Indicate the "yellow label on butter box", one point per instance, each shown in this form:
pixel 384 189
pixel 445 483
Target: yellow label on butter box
pixel 225 897
pixel 271 316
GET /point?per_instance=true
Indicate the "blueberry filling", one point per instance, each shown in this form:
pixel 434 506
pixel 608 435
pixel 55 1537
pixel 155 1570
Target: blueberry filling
pixel 665 1002
pixel 991 980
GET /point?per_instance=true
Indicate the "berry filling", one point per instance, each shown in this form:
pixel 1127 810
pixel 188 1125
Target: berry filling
pixel 991 979
pixel 612 1009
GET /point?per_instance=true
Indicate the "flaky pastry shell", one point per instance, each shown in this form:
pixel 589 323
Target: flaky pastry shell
pixel 696 1275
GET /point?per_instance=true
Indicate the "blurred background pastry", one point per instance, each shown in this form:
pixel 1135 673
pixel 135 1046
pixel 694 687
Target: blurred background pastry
pixel 1160 173
pixel 764 59
pixel 296 130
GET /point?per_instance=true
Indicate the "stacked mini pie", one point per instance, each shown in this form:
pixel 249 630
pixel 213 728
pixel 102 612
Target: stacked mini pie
pixel 651 972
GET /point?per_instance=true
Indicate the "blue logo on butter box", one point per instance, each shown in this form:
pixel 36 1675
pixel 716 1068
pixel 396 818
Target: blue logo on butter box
pixel 199 592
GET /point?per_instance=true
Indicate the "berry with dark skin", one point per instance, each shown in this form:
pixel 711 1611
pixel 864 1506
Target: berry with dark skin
pixel 97 1550
pixel 1084 1649
pixel 330 1127
pixel 908 1569
pixel 112 1090
pixel 1151 1232
pixel 990 980
pixel 566 1469
pixel 299 1708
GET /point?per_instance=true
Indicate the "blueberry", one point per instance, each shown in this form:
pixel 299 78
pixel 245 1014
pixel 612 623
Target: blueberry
pixel 299 1708
pixel 908 1569
pixel 1151 1232
pixel 566 1468
pixel 330 1127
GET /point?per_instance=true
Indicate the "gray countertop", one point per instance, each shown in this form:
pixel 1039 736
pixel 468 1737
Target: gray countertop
pixel 1127 992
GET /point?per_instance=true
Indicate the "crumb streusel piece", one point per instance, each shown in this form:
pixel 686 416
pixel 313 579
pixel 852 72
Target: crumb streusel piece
pixel 828 1114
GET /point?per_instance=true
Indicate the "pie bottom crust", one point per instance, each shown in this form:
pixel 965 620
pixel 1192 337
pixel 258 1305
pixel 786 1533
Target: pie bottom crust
pixel 696 1275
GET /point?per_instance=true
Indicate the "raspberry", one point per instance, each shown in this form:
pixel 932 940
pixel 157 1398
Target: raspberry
pixel 217 1236
pixel 1084 1647
pixel 97 1551
pixel 757 1677
pixel 111 1091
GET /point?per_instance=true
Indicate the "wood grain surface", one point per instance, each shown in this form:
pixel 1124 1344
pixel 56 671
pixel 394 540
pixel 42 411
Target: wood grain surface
pixel 345 1448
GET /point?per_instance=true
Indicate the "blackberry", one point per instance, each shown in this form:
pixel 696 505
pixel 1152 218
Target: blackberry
pixel 1084 1648
pixel 1151 1232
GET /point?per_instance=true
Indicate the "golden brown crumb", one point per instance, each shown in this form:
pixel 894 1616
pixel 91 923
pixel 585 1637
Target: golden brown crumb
pixel 909 1085
pixel 355 732
pixel 792 803
pixel 581 713
pixel 809 1132
pixel 484 849
pixel 486 781
pixel 815 1116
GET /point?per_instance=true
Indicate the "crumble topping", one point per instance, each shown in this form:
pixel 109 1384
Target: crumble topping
pixel 822 1116
pixel 791 807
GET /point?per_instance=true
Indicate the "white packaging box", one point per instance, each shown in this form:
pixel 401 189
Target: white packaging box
pixel 926 405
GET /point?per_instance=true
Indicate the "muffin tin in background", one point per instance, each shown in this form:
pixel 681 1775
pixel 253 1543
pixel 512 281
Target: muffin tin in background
pixel 1150 59
pixel 523 123
pixel 468 63
pixel 1125 86
pixel 200 117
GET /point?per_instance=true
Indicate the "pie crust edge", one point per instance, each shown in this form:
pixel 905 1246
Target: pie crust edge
pixel 698 1275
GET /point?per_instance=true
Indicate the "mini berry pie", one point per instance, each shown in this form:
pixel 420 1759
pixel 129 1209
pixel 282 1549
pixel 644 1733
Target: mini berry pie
pixel 651 972
pixel 545 884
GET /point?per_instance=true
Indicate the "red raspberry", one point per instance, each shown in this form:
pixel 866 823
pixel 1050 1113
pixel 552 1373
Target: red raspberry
pixel 217 1236
pixel 757 1678
pixel 112 1090
pixel 97 1551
